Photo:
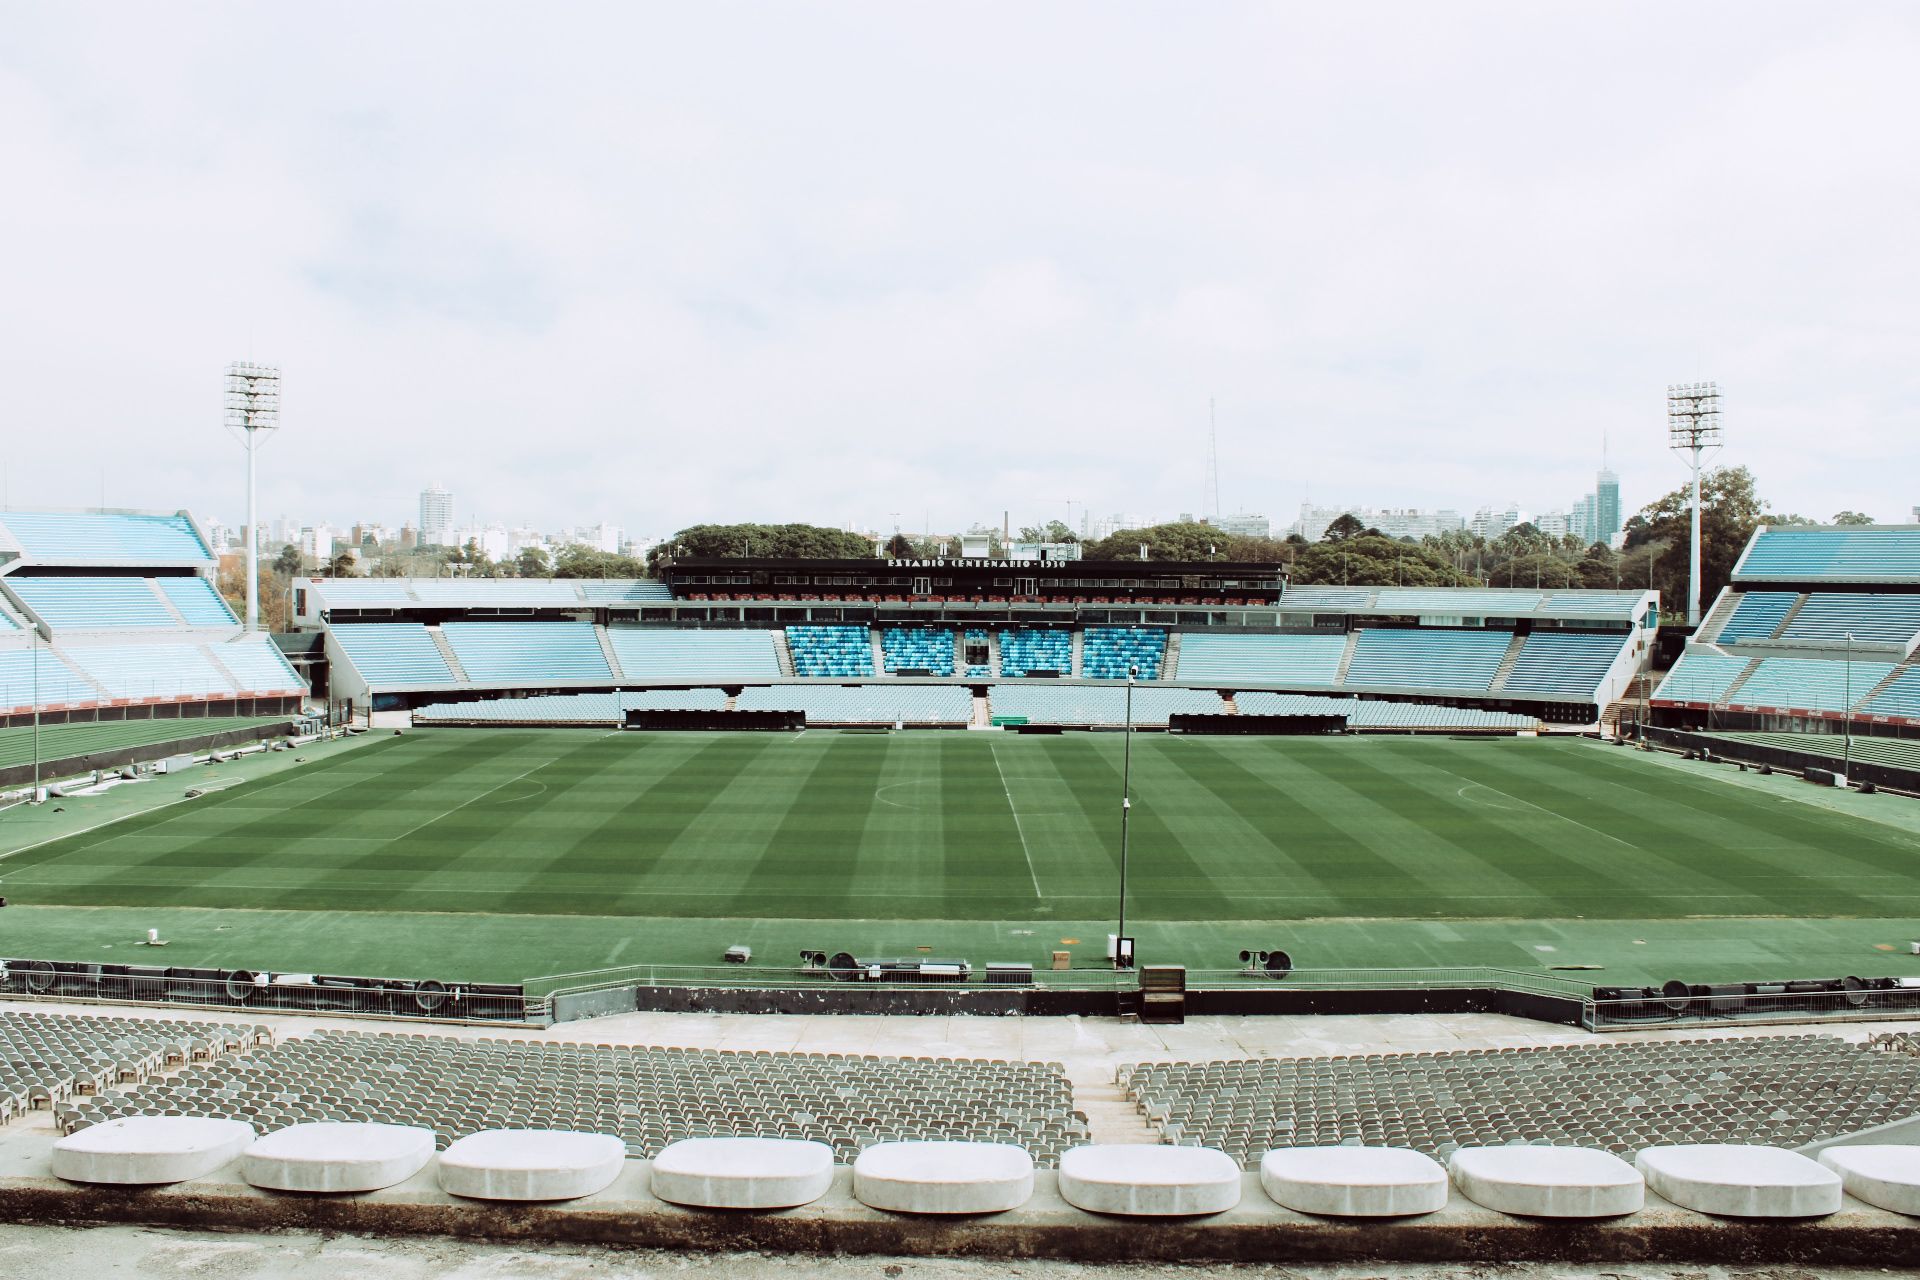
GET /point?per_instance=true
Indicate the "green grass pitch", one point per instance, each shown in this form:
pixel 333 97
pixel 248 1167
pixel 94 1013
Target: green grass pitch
pixel 527 852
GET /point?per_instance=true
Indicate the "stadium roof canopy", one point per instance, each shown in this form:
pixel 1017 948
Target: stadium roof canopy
pixel 1860 554
pixel 1474 602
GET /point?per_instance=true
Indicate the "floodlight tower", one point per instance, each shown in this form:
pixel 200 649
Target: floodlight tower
pixel 1693 430
pixel 253 407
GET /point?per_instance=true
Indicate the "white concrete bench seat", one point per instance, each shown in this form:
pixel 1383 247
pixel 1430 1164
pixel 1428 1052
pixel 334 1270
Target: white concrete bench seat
pixel 531 1164
pixel 1885 1177
pixel 943 1177
pixel 149 1150
pixel 1354 1182
pixel 1548 1182
pixel 1143 1181
pixel 1738 1181
pixel 743 1173
pixel 337 1157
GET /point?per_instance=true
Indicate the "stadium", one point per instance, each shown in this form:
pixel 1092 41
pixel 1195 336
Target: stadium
pixel 477 893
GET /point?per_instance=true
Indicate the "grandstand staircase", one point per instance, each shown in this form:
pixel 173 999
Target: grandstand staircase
pixel 1226 701
pixel 1899 669
pixel 1170 660
pixel 1739 680
pixel 782 654
pixel 1076 664
pixel 1346 657
pixel 166 602
pixel 1638 690
pixel 446 651
pixel 879 652
pixel 1716 618
pixel 208 652
pixel 606 651
pixel 982 713
pixel 1507 660
pixel 1111 1115
pixel 1787 620
pixel 993 654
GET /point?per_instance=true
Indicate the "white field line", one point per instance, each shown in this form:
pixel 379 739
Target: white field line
pixel 1025 852
pixel 1537 809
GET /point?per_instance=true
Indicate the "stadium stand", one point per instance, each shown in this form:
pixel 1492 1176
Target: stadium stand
pixel 1226 659
pixel 93 604
pixel 365 593
pixel 257 665
pixel 1810 684
pixel 830 651
pixel 1029 649
pixel 1780 1090
pixel 647 1097
pixel 1365 713
pixel 486 593
pixel 977 670
pixel 198 602
pixel 1564 662
pixel 1107 652
pixel 1456 661
pixel 25 671
pixel 150 670
pixel 394 654
pixel 105 537
pixel 1047 703
pixel 1701 676
pixel 571 708
pixel 924 704
pixel 49 1058
pixel 506 593
pixel 1852 555
pixel 624 591
pixel 1758 615
pixel 647 653
pixel 1830 615
pixel 527 652
pixel 1900 698
pixel 927 649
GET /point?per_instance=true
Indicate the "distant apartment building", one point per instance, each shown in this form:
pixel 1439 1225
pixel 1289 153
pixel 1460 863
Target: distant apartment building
pixel 1395 522
pixel 436 517
pixel 1242 525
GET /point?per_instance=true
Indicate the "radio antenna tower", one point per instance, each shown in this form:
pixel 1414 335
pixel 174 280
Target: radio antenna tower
pixel 253 407
pixel 1213 462
pixel 1693 430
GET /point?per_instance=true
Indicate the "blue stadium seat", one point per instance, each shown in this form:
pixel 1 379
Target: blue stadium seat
pixel 527 652
pixel 671 653
pixel 198 602
pixel 1106 653
pixel 830 651
pixel 1047 702
pixel 864 704
pixel 1225 659
pixel 1423 658
pixel 1565 662
pixel 917 649
pixel 55 682
pixel 106 537
pixel 978 670
pixel 1701 677
pixel 1830 615
pixel 1031 649
pixel 1834 555
pixel 1809 684
pixel 1364 713
pixel 1901 698
pixel 1757 616
pixel 394 655
pixel 93 604
pixel 258 666
pixel 151 670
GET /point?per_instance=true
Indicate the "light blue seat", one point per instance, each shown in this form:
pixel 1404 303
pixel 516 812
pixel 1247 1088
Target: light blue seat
pixel 198 602
pixel 1227 660
pixel 258 666
pixel 106 537
pixel 1757 616
pixel 527 652
pixel 608 709
pixel 831 651
pixel 93 604
pixel 1701 677
pixel 921 704
pixel 498 593
pixel 1427 658
pixel 615 591
pixel 56 683
pixel 1362 713
pixel 394 655
pixel 1031 649
pixel 140 671
pixel 1564 662
pixel 1901 698
pixel 1049 702
pixel 978 670
pixel 364 593
pixel 671 654
pixel 1808 684
pixel 1830 615
pixel 917 649
pixel 1107 653
pixel 1325 599
pixel 1859 555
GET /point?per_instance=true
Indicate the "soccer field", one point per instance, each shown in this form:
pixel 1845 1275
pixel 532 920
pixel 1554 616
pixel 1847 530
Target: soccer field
pixel 740 830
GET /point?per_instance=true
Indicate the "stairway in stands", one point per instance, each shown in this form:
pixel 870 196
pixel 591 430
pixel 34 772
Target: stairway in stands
pixel 1507 660
pixel 879 651
pixel 1078 645
pixel 782 654
pixel 1346 657
pixel 1170 662
pixel 446 651
pixel 1112 1117
pixel 606 651
pixel 1716 618
pixel 1638 690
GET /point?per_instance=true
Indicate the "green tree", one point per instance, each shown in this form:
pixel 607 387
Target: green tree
pixel 1599 568
pixel 590 562
pixel 1051 531
pixel 764 541
pixel 1730 510
pixel 344 566
pixel 1852 518
pixel 287 563
pixel 1345 526
pixel 1372 560
pixel 900 547
pixel 532 562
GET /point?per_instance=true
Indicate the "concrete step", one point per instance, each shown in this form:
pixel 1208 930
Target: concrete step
pixel 1111 1116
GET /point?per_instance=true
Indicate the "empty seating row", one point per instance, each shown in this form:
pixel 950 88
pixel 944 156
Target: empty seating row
pixel 498 593
pixel 1363 713
pixel 40 676
pixel 100 537
pixel 1809 684
pixel 662 653
pixel 1564 662
pixel 1109 653
pixel 832 651
pixel 1228 659
pixel 1900 698
pixel 257 665
pixel 1700 676
pixel 977 642
pixel 48 1058
pixel 1048 703
pixel 527 652
pixel 928 649
pixel 1835 555
pixel 151 670
pixel 864 704
pixel 1455 660
pixel 1783 1090
pixel 1758 615
pixel 1031 649
pixel 646 1097
pixel 393 655
pixel 1872 619
pixel 572 708
pixel 94 604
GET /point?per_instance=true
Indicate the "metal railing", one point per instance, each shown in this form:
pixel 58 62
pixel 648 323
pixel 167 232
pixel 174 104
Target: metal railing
pixel 245 992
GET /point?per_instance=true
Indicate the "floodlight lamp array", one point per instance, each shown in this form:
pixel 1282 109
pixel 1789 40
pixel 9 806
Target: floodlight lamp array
pixel 253 396
pixel 1693 414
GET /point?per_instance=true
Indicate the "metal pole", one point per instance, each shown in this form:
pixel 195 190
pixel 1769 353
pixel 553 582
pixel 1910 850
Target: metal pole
pixel 34 795
pixel 1693 574
pixel 1846 769
pixel 253 539
pixel 1126 809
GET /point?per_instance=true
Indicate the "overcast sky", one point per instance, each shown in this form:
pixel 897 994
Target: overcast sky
pixel 662 264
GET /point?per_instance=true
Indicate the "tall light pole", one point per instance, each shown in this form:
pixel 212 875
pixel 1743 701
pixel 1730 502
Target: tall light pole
pixel 34 638
pixel 1846 768
pixel 1126 811
pixel 1693 430
pixel 253 406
